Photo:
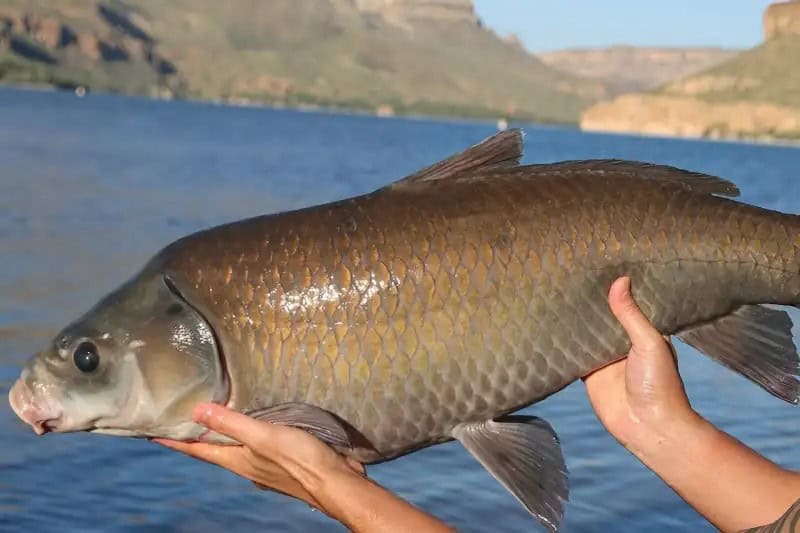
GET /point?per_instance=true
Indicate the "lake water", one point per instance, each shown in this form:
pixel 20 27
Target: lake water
pixel 90 188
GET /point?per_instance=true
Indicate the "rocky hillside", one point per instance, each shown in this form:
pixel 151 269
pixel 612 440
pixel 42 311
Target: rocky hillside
pixel 755 94
pixel 630 68
pixel 403 56
pixel 782 19
pixel 406 12
pixel 41 45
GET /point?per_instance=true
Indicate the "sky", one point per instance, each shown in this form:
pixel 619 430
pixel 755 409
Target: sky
pixel 545 25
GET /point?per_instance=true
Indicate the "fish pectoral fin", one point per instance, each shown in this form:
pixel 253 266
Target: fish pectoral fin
pixel 522 453
pixel 755 341
pixel 501 150
pixel 319 422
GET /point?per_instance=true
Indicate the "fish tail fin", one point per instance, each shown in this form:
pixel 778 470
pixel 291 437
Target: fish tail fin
pixel 755 341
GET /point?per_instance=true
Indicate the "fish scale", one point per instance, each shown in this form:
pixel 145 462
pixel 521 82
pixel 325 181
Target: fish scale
pixel 432 309
pixel 517 297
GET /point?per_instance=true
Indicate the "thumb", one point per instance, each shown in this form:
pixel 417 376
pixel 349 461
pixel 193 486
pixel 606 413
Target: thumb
pixel 639 329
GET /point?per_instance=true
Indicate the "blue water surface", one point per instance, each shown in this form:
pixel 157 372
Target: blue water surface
pixel 90 188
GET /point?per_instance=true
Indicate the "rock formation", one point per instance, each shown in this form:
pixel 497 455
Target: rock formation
pixel 415 10
pixel 634 68
pixel 429 57
pixel 752 95
pixel 690 117
pixel 39 38
pixel 782 19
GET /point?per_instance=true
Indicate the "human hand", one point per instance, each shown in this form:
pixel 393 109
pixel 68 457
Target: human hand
pixel 641 397
pixel 293 462
pixel 279 458
pixel 641 401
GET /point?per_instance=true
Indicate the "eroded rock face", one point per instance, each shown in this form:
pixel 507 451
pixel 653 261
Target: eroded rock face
pixel 689 117
pixel 750 96
pixel 407 11
pixel 782 19
pixel 121 37
pixel 405 56
pixel 635 68
pixel 48 32
pixel 89 45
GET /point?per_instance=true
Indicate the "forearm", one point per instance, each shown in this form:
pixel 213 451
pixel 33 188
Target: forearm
pixel 724 480
pixel 364 506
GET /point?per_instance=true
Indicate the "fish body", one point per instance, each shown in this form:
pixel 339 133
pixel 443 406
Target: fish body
pixel 435 307
pixel 407 313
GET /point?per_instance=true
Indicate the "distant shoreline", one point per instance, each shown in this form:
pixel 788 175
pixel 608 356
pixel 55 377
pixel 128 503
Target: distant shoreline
pixel 757 141
pixel 333 110
pixel 303 108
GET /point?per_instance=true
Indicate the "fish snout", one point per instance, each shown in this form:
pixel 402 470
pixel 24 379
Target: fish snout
pixel 41 415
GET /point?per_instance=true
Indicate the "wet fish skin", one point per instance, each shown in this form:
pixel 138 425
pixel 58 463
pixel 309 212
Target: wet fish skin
pixel 430 310
pixel 409 312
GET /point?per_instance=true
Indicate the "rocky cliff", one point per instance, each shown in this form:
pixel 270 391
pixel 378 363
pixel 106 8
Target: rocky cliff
pixel 41 46
pixel 629 68
pixel 782 19
pixel 752 95
pixel 396 56
pixel 408 11
pixel 690 117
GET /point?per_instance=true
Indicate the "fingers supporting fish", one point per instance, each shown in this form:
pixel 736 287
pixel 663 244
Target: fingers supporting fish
pixel 210 453
pixel 242 428
pixel 641 332
pixel 237 459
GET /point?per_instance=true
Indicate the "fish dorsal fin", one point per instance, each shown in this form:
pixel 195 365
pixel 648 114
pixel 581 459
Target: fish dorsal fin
pixel 498 157
pixel 498 151
pixel 691 181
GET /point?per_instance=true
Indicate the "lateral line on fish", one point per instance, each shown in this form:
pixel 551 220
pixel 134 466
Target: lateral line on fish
pixel 692 260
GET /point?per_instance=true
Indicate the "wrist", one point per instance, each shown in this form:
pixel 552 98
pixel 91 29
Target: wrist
pixel 330 486
pixel 666 446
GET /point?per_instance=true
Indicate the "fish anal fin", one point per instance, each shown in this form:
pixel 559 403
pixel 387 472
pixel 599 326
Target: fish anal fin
pixel 498 151
pixel 524 455
pixel 755 341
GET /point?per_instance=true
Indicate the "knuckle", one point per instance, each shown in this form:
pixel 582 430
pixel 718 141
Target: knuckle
pixel 629 309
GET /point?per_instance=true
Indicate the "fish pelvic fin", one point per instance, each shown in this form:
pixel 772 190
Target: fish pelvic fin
pixel 524 455
pixel 755 341
pixel 498 151
pixel 319 422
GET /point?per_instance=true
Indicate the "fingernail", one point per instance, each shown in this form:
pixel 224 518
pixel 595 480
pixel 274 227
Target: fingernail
pixel 626 286
pixel 621 285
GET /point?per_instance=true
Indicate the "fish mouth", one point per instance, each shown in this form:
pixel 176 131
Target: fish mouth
pixel 42 417
pixel 46 426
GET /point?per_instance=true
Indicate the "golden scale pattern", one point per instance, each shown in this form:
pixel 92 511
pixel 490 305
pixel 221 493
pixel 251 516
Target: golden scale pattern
pixel 406 313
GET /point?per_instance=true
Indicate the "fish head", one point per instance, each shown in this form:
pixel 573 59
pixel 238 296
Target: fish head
pixel 135 365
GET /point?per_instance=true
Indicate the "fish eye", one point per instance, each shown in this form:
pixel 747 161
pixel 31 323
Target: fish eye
pixel 86 357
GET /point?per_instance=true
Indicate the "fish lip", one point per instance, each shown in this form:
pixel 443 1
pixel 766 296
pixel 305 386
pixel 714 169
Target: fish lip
pixel 42 418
